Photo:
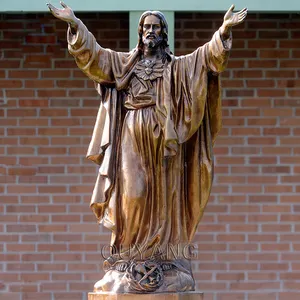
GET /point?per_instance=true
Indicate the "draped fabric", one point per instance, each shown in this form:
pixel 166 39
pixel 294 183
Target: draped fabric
pixel 153 144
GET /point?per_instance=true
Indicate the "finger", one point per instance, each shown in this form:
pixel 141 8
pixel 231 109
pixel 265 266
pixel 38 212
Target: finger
pixel 63 4
pixel 231 8
pixel 229 11
pixel 243 16
pixel 241 19
pixel 239 22
pixel 241 12
pixel 52 8
pixel 244 9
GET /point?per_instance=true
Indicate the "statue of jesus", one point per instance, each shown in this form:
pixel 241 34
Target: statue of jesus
pixel 158 119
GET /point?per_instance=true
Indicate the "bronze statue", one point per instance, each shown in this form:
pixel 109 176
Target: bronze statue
pixel 158 120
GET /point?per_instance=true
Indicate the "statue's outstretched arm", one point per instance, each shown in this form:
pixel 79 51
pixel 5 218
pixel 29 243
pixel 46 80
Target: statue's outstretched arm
pixel 218 48
pixel 84 47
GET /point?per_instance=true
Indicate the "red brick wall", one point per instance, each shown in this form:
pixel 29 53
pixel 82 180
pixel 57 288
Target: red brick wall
pixel 249 240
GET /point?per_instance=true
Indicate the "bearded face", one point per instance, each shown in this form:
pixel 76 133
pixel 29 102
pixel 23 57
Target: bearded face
pixel 152 31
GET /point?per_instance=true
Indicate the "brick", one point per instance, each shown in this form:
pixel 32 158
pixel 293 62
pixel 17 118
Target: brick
pixel 53 286
pixel 23 74
pixel 34 219
pixel 263 218
pixel 20 247
pixel 243 228
pixel 274 266
pixel 255 286
pixel 82 267
pixel 33 122
pixel 65 160
pixel 64 64
pixel 9 277
pixel 289 238
pixel 66 276
pixel 263 179
pixel 24 288
pixel 243 267
pixel 20 208
pixel 12 64
pixel 275 247
pixel 64 179
pixel 36 257
pixel 36 238
pixel 264 160
pixel 51 267
pixel 21 171
pixel 290 276
pixel 20 267
pixel 274 53
pixel 53 113
pixel 39 83
pixel 289 64
pixel 65 218
pixel 65 141
pixel 51 247
pixel 52 228
pixel 262 296
pixel 230 296
pixel 24 189
pixel 295 267
pixel 75 296
pixel 51 170
pixel 51 93
pixel 83 112
pixel 289 256
pixel 230 276
pixel 68 199
pixel 254 64
pixel 55 74
pixel 9 296
pixel 11 84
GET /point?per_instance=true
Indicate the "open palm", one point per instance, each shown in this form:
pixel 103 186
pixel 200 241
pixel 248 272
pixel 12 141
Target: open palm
pixel 66 14
pixel 232 19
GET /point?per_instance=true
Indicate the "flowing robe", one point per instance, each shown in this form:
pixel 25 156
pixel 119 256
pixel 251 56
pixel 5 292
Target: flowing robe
pixel 153 143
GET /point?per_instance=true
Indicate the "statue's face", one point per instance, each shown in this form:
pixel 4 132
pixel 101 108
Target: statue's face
pixel 152 31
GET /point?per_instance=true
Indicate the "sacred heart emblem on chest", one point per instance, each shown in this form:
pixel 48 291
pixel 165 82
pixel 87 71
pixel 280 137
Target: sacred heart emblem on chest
pixel 149 70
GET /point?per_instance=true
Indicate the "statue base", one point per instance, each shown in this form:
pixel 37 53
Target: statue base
pixel 162 296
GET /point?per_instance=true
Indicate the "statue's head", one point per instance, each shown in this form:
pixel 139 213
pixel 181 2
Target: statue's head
pixel 153 30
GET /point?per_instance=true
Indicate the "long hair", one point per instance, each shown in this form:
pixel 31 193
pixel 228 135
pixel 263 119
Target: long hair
pixel 164 30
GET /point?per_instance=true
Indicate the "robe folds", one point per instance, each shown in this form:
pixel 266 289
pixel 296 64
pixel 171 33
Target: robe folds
pixel 152 141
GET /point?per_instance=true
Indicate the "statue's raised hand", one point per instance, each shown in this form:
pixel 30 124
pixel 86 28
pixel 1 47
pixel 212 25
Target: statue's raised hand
pixel 232 19
pixel 66 14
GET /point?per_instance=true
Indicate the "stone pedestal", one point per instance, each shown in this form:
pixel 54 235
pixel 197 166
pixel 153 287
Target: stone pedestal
pixel 163 296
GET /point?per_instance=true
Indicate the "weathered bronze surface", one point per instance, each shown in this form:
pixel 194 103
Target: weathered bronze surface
pixel 158 119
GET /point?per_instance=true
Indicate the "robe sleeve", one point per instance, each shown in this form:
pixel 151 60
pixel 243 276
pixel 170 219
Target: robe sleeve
pixel 90 57
pixel 197 87
pixel 217 53
pixel 212 56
